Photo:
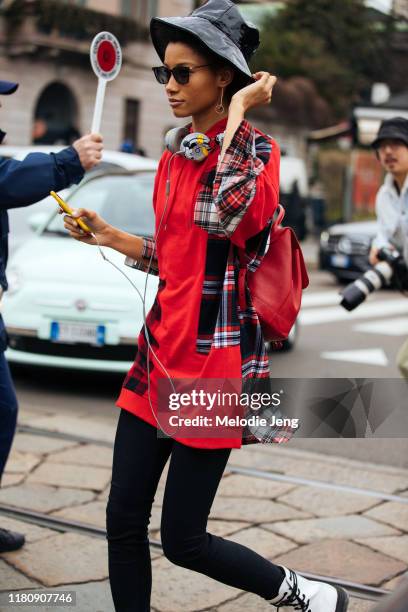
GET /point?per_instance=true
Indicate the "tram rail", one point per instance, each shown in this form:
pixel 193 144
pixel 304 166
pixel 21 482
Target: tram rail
pixel 357 590
pixel 236 469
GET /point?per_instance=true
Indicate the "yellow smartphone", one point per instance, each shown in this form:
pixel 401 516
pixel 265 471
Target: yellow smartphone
pixel 68 210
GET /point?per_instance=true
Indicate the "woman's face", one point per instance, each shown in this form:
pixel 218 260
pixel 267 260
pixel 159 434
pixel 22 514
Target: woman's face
pixel 202 92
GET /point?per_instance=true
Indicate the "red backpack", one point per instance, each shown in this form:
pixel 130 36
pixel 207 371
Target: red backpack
pixel 276 286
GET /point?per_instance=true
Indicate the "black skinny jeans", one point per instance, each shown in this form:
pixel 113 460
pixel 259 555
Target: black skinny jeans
pixel 192 481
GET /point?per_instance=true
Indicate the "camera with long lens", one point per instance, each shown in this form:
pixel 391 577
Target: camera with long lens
pixel 390 267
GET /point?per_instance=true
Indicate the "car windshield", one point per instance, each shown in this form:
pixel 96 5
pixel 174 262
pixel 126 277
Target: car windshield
pixel 124 201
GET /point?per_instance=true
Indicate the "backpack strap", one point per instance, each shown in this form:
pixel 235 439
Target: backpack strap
pixel 278 216
pixel 277 219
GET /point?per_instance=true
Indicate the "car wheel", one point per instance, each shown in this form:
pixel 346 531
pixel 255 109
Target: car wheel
pixel 342 280
pixel 290 341
pixel 288 344
pixel 19 370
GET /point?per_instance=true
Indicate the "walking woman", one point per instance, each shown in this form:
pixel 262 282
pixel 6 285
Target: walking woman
pixel 218 196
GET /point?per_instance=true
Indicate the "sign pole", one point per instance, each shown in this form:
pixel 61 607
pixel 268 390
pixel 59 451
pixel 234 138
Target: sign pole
pixel 100 98
pixel 106 60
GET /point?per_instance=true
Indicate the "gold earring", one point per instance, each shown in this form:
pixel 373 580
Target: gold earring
pixel 219 109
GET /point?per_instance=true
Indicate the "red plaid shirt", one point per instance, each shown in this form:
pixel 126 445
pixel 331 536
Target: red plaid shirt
pixel 234 204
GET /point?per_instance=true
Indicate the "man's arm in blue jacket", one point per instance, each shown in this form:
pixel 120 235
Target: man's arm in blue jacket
pixel 30 180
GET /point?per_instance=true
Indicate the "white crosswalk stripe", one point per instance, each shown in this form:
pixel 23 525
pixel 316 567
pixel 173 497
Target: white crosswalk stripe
pixel 324 307
pixel 378 308
pixel 372 356
pixel 387 327
pixel 321 298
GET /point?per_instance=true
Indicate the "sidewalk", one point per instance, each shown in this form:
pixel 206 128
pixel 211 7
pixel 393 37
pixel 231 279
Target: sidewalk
pixel 330 532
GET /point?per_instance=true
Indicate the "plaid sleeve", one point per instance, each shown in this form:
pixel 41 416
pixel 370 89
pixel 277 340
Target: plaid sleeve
pixel 257 246
pixel 235 179
pixel 148 251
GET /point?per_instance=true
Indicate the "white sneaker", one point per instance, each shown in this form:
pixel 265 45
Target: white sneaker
pixel 298 593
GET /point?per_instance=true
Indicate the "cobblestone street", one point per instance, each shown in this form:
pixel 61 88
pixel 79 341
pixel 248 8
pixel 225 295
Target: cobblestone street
pixel 333 532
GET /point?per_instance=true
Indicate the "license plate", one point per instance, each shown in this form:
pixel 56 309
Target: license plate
pixel 77 332
pixel 340 261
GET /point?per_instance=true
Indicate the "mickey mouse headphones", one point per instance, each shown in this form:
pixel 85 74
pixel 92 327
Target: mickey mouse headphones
pixel 194 146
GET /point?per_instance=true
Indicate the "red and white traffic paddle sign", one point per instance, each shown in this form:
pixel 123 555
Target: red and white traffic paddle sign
pixel 106 61
pixel 106 56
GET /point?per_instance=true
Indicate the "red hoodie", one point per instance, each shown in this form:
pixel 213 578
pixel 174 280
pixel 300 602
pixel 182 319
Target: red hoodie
pixel 184 329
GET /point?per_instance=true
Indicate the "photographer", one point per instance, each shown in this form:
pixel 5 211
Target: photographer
pixel 391 146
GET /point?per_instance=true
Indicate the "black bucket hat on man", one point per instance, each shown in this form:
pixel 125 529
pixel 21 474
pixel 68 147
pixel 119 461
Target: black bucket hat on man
pixel 7 87
pixel 395 128
pixel 218 25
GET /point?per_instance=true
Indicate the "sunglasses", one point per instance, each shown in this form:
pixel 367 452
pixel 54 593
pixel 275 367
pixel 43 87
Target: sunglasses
pixel 180 73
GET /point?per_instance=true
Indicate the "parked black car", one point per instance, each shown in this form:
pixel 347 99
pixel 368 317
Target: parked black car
pixel 344 249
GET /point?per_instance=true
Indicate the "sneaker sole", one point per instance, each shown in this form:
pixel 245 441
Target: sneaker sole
pixel 342 600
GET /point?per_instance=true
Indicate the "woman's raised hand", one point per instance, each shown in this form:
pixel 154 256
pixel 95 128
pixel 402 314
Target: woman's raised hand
pixel 255 94
pixel 99 227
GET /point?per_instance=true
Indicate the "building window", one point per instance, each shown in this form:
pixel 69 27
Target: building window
pixel 55 116
pixel 131 126
pixel 141 10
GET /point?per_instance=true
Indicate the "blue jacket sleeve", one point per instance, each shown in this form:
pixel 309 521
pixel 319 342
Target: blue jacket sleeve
pixel 30 180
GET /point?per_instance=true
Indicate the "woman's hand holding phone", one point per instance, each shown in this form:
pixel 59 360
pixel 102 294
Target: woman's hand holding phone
pixel 95 230
pixel 99 227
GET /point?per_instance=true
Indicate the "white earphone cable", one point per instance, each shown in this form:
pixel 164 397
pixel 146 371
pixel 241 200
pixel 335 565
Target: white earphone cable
pixel 149 347
pixel 143 299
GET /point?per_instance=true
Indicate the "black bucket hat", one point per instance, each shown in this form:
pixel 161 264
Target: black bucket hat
pixel 396 128
pixel 219 26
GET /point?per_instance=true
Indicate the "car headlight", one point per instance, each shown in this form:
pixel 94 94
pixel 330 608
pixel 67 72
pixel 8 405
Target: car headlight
pixel 345 245
pixel 14 279
pixel 324 239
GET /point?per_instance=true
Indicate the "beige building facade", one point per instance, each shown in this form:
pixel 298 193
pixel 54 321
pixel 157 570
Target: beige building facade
pixel 44 45
pixel 400 8
pixel 44 53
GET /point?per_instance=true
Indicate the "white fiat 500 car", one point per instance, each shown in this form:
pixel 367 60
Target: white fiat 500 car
pixel 111 160
pixel 66 306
